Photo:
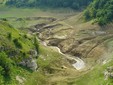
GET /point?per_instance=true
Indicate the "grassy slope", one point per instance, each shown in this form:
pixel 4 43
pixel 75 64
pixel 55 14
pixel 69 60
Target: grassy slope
pixel 95 76
pixel 47 61
pixel 9 45
pixel 34 12
pixel 16 34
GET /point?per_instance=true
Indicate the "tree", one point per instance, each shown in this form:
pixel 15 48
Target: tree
pixel 86 15
pixel 101 11
pixel 75 4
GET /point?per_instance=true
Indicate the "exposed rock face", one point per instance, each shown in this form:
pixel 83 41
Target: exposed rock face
pixel 30 63
pixel 33 53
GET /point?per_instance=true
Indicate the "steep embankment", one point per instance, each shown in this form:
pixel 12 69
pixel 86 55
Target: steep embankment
pixel 17 45
pixel 17 50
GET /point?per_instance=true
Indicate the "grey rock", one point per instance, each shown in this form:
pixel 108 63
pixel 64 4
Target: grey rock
pixel 30 63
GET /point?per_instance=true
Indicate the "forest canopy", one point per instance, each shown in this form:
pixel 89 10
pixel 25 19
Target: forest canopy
pixel 101 11
pixel 75 4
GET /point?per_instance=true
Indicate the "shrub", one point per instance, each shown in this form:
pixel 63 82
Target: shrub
pixel 17 43
pixel 9 35
pixel 4 19
pixel 36 44
pixel 6 65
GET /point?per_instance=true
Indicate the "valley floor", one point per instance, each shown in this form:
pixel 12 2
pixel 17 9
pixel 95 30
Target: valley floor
pixel 80 42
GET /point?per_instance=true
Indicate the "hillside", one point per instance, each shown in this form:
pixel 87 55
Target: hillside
pixel 100 11
pixel 21 55
pixel 90 42
pixel 56 45
pixel 16 48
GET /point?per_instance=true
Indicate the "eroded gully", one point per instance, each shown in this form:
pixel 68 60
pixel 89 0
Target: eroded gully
pixel 79 63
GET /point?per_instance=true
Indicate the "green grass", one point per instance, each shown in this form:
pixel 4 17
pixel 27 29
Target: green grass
pixel 16 34
pixel 10 47
pixel 39 77
pixel 95 76
pixel 33 12
pixel 48 56
pixel 47 60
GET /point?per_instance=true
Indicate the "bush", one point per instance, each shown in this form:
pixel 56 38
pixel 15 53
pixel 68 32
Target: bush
pixel 4 19
pixel 17 43
pixel 86 15
pixel 1 70
pixel 6 65
pixel 9 35
pixel 36 44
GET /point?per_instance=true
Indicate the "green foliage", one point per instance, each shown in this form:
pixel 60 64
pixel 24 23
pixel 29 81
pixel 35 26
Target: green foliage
pixel 86 15
pixel 9 35
pixel 17 43
pixel 1 70
pixel 4 19
pixel 101 11
pixel 75 4
pixel 36 44
pixel 6 65
pixel 14 48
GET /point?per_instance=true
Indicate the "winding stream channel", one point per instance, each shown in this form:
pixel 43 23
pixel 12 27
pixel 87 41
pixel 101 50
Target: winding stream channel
pixel 79 63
